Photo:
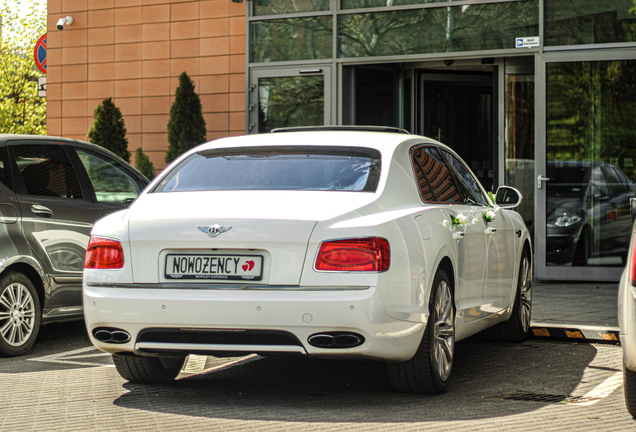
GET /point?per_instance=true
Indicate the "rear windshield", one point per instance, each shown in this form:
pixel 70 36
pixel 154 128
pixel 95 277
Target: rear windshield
pixel 277 168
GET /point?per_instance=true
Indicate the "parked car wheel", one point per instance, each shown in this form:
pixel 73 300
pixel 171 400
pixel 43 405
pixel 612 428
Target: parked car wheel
pixel 153 370
pixel 517 328
pixel 20 314
pixel 629 384
pixel 430 368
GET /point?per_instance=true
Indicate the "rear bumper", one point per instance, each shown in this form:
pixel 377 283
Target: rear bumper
pixel 301 313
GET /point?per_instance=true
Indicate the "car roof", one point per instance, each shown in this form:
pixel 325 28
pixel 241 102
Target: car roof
pixel 55 139
pixel 381 141
pixel 20 137
pixel 4 138
pixel 354 128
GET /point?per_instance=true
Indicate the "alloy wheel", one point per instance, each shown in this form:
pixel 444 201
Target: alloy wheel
pixel 17 314
pixel 444 336
pixel 526 293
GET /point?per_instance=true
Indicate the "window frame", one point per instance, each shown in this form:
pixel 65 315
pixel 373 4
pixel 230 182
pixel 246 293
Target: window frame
pixel 86 177
pixel 472 175
pixel 20 185
pixel 459 188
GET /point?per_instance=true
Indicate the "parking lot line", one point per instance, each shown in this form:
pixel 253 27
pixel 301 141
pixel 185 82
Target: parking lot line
pixel 72 357
pixel 602 390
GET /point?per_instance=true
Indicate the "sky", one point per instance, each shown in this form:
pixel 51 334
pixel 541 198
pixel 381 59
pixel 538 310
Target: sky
pixel 24 7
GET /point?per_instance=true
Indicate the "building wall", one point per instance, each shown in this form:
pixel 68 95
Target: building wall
pixel 134 51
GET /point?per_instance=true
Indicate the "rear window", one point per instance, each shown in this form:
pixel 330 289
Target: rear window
pixel 277 168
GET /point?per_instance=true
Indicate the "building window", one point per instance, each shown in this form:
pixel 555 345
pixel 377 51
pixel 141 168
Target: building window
pixel 275 7
pixel 437 30
pixel 582 22
pixel 590 161
pixel 291 39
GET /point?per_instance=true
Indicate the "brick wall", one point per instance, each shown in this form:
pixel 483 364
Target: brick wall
pixel 134 51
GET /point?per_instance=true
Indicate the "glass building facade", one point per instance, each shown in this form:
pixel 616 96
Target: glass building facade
pixel 523 90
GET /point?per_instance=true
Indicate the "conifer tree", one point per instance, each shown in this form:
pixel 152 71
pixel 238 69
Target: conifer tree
pixel 109 130
pixel 186 127
pixel 143 164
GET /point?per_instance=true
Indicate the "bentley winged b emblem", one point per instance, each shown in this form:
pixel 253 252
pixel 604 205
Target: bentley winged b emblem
pixel 213 230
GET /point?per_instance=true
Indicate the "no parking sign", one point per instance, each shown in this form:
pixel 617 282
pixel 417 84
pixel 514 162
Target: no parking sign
pixel 40 53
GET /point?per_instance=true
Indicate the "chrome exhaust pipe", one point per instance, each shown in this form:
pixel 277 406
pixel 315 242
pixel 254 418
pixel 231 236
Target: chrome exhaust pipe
pixel 120 336
pixel 102 335
pixel 348 340
pixel 335 340
pixel 321 340
pixel 111 335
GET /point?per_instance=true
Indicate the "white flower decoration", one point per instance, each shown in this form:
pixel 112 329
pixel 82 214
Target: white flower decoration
pixel 488 216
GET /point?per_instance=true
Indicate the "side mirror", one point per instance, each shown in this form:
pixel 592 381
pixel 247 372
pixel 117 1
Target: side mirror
pixel 508 197
pixel 632 208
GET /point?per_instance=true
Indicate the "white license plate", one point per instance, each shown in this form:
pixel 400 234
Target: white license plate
pixel 211 266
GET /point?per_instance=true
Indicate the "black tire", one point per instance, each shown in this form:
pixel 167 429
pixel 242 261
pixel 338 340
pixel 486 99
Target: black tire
pixel 20 314
pixel 517 328
pixel 430 368
pixel 153 370
pixel 629 384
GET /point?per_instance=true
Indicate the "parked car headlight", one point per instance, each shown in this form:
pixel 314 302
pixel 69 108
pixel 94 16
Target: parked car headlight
pixel 564 220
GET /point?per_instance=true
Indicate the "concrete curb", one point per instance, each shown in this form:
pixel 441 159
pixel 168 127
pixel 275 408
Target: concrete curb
pixel 572 333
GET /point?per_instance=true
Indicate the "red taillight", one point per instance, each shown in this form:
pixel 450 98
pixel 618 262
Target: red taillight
pixel 367 254
pixel 104 253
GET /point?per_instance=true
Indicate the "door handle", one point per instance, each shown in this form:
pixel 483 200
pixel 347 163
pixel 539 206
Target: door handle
pixel 458 235
pixel 40 210
pixel 541 179
pixel 490 231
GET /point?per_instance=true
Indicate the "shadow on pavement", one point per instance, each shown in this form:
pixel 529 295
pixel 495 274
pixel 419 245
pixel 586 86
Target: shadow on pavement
pixel 311 390
pixel 58 346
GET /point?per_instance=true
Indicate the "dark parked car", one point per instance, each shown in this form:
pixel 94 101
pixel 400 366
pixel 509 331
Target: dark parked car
pixel 52 190
pixel 588 213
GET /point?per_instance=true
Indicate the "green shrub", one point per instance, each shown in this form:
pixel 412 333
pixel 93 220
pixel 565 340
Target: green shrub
pixel 143 164
pixel 186 127
pixel 108 129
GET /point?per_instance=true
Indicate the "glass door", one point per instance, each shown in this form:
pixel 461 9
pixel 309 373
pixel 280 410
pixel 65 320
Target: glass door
pixel 457 110
pixel 289 97
pixel 587 172
pixel 518 121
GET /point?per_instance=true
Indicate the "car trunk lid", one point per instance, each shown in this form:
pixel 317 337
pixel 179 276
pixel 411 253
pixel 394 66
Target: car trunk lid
pixel 273 225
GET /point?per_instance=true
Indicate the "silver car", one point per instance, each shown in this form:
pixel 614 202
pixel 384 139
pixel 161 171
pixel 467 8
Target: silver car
pixel 52 190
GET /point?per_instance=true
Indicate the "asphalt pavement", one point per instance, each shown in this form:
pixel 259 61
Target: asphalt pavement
pixel 577 311
pixel 544 384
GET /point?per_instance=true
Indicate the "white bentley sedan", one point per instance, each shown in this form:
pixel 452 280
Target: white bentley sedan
pixel 368 244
